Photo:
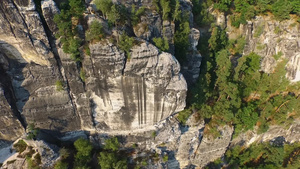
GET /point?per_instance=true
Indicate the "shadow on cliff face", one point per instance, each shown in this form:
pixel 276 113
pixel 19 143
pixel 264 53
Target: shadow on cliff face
pixel 12 78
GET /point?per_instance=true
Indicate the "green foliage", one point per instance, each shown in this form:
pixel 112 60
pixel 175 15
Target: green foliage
pixel 259 30
pixel 165 158
pixel 264 155
pixel 281 9
pixel 95 32
pixel 61 165
pixel 59 85
pixel 32 131
pixel 161 44
pixel 83 155
pixel 136 14
pixel 112 144
pixel 126 43
pixel 277 30
pixel 82 74
pixel 20 146
pixel 177 11
pixel 77 7
pixel 181 40
pixel 166 9
pixel 202 16
pixel 184 115
pixel 108 160
pixel 278 55
pixel 67 31
pixel 104 6
pixel 153 134
pixel 32 164
pixel 236 46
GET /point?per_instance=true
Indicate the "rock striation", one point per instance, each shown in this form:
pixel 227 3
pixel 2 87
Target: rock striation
pixel 135 92
pixel 274 41
pixel 118 93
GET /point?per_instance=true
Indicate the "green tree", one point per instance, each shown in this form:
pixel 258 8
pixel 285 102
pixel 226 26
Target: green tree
pixel 76 8
pixel 104 6
pixel 162 44
pixel 125 43
pixel 181 40
pixel 282 9
pixel 95 32
pixel 108 160
pixel 112 144
pixel 83 155
pixel 177 11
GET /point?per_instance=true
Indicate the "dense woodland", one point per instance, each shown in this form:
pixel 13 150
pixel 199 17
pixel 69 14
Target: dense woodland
pixel 227 92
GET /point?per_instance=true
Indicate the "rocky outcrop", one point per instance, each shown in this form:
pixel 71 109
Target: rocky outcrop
pixel 268 38
pixel 290 135
pixel 133 93
pixel 49 10
pixel 43 154
pixel 22 34
pixel 10 126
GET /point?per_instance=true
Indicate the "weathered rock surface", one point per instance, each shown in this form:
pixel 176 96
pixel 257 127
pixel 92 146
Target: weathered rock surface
pixel 10 126
pixel 50 9
pixel 48 153
pixel 268 37
pixel 22 34
pixel 135 93
pixel 290 135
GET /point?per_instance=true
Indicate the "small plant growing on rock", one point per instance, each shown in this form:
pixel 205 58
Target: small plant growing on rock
pixel 126 43
pixel 32 131
pixel 153 134
pixel 161 43
pixel 20 146
pixel 95 32
pixel 165 158
pixel 59 85
pixel 82 74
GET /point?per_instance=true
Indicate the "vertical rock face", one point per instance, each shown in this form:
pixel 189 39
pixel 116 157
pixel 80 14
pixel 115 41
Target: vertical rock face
pixel 10 126
pixel 268 38
pixel 135 93
pixel 22 32
pixel 118 94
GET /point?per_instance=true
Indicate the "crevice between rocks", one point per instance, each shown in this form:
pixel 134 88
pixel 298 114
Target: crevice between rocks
pixel 53 48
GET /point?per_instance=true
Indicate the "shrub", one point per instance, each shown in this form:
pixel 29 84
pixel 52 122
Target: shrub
pixel 84 149
pixel 277 30
pixel 259 30
pixel 82 74
pixel 95 32
pixel 104 6
pixel 126 43
pixel 32 131
pixel 61 165
pixel 181 41
pixel 153 134
pixel 59 85
pixel 183 116
pixel 20 146
pixel 282 9
pixel 278 55
pixel 112 144
pixel 136 14
pixel 161 44
pixel 165 158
